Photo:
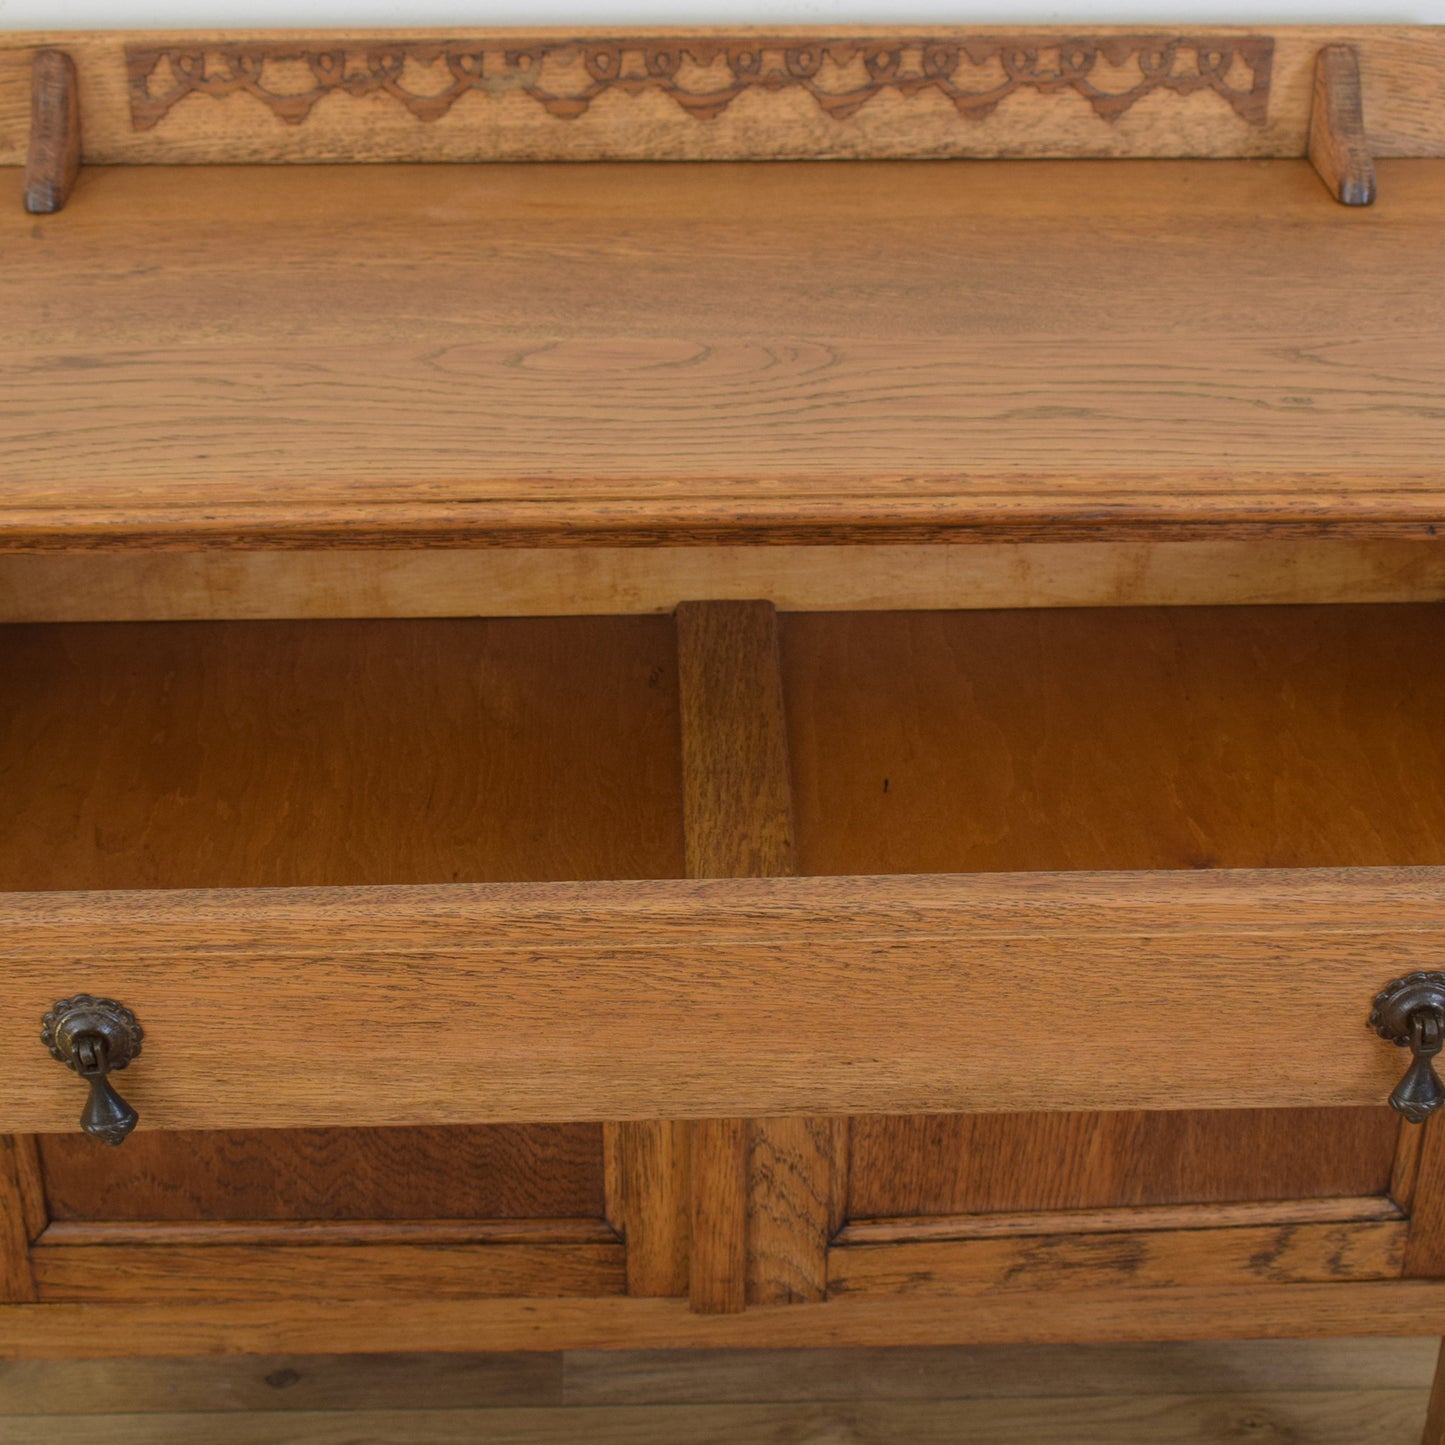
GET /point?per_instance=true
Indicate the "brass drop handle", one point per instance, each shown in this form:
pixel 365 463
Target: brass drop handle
pixel 96 1037
pixel 1411 1013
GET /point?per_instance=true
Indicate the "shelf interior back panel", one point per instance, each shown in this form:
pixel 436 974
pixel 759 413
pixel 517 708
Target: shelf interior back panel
pixel 1102 738
pixel 291 754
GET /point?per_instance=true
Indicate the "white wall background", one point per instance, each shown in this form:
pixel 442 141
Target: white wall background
pixel 485 14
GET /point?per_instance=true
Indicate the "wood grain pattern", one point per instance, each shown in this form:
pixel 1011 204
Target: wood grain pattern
pixel 1282 1254
pixel 22 1215
pixel 981 1163
pixel 282 1273
pixel 1383 1417
pixel 160 756
pixel 649 1202
pixel 499 1172
pixel 571 581
pixel 53 159
pixel 808 91
pixel 1252 1311
pixel 531 367
pixel 1339 145
pixel 718 1273
pixel 684 995
pixel 797 1185
pixel 921 1229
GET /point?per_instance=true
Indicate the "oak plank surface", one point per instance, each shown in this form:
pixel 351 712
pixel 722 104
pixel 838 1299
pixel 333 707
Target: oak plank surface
pixel 682 1377
pixel 683 995
pixel 274 1383
pixel 266 1384
pixel 1340 1418
pixel 535 366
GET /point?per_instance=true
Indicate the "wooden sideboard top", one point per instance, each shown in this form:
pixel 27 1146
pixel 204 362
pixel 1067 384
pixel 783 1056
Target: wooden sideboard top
pixel 814 352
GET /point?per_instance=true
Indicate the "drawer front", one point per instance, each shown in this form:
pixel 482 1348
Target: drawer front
pixel 493 1003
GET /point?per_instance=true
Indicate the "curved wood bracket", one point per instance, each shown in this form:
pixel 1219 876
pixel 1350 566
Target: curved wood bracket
pixel 1339 147
pixel 54 159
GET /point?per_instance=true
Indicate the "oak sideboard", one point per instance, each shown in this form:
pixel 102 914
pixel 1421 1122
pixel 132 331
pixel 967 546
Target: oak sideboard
pixel 721 688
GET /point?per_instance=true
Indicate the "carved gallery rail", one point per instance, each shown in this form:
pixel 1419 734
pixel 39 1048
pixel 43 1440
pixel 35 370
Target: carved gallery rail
pixel 728 94
pixel 703 76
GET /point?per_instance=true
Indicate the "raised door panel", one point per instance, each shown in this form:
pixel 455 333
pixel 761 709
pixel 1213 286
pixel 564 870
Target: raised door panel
pixel 491 1172
pixel 963 1164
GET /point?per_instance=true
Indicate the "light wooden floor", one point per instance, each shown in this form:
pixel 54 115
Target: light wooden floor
pixel 1332 1392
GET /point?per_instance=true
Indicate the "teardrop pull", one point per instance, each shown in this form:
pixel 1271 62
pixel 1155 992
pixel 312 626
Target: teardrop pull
pixel 1411 1012
pixel 96 1037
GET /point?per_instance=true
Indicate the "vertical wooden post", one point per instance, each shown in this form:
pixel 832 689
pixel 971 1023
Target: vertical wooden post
pixel 718 1276
pixel 762 1191
pixel 737 796
pixel 53 161
pixel 796 1189
pixel 22 1215
pixel 1418 1187
pixel 1339 147
pixel 649 1202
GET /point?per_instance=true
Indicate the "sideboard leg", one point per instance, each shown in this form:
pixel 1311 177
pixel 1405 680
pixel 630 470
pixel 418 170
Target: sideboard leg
pixel 1435 1416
